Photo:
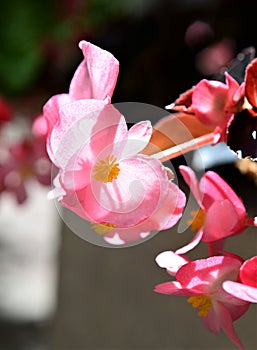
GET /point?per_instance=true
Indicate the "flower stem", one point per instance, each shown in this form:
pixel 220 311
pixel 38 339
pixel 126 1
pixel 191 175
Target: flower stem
pixel 185 147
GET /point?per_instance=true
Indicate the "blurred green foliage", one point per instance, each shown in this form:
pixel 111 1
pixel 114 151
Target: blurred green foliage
pixel 23 25
pixel 28 26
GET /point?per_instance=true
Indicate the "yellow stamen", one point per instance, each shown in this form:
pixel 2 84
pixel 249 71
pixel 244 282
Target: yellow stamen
pixel 106 170
pixel 203 302
pixel 103 228
pixel 198 219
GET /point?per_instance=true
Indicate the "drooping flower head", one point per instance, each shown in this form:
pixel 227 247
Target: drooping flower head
pixel 222 212
pixel 202 280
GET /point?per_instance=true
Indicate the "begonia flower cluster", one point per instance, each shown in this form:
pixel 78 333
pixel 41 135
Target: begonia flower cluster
pixel 23 157
pixel 113 177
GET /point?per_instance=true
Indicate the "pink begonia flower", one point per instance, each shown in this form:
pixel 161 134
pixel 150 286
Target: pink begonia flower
pixel 104 179
pixel 95 79
pixel 221 214
pixel 246 287
pixel 215 103
pixel 202 280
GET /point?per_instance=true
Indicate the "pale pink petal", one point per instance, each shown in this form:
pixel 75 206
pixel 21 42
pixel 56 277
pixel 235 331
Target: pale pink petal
pixel 171 261
pixel 172 288
pixel 209 101
pixel 195 241
pixel 51 109
pixel 241 291
pixel 109 134
pixel 119 236
pixel 248 272
pixel 227 324
pixel 75 180
pixel 96 76
pixel 212 322
pixel 191 180
pixel 39 126
pixel 138 137
pixel 171 210
pixel 234 91
pixel 73 129
pixel 51 114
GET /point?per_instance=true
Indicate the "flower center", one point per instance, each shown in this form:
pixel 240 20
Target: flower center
pixel 103 228
pixel 106 169
pixel 202 302
pixel 198 219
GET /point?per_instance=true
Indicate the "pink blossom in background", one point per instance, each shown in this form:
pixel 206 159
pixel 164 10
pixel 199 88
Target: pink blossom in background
pixel 103 178
pixel 94 79
pixel 24 160
pixel 221 214
pixel 6 111
pixel 202 280
pixel 213 58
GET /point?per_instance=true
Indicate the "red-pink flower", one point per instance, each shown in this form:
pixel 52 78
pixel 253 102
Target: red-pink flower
pixel 246 287
pixel 6 111
pixel 24 160
pixel 104 179
pixel 94 79
pixel 222 212
pixel 202 280
pixel 214 103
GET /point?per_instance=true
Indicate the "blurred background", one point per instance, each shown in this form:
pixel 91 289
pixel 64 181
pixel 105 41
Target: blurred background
pixel 58 292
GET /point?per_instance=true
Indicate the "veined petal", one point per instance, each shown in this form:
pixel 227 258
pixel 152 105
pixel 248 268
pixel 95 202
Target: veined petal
pixel 96 76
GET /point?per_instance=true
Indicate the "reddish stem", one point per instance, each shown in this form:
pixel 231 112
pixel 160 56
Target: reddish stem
pixel 185 147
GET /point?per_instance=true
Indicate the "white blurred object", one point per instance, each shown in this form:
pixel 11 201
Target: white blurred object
pixel 210 156
pixel 29 244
